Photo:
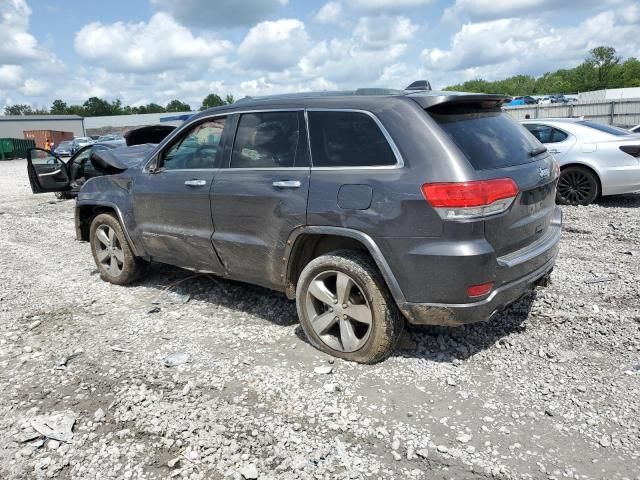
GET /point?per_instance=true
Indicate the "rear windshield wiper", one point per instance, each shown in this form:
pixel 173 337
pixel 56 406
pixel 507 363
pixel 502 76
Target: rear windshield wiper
pixel 537 151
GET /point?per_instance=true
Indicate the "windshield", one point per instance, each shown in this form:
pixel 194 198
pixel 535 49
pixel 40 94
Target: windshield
pixel 489 138
pixel 618 132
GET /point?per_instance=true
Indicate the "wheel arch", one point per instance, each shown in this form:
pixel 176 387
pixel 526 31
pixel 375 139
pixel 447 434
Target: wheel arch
pixel 307 243
pixel 87 211
pixel 586 166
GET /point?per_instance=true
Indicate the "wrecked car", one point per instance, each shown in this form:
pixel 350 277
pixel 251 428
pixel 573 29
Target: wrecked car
pixel 369 208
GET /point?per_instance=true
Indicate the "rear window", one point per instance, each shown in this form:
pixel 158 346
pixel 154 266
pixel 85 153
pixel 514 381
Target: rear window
pixel 489 138
pixel 618 132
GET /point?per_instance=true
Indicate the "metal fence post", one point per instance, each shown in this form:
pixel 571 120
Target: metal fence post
pixel 612 111
pixel 537 110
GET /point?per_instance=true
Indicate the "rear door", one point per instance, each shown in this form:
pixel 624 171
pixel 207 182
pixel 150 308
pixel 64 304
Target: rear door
pixel 499 147
pixel 47 172
pixel 262 196
pixel 557 141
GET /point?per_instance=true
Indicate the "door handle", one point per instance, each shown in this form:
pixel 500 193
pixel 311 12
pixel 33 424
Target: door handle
pixel 287 184
pixel 195 183
pixel 554 151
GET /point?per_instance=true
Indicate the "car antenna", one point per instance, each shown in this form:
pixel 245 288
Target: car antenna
pixel 419 85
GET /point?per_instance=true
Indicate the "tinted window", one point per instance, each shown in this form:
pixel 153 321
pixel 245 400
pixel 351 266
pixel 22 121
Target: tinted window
pixel 347 139
pixel 488 138
pixel 198 148
pixel 618 132
pixel 546 134
pixel 266 140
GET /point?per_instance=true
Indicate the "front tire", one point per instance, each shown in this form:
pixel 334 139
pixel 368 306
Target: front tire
pixel 345 308
pixel 113 256
pixel 577 186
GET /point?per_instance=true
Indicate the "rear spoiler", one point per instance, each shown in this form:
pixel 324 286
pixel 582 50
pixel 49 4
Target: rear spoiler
pixel 430 101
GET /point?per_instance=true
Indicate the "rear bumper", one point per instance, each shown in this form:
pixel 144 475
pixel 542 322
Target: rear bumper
pixel 526 261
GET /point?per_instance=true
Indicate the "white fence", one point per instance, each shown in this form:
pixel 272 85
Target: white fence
pixel 623 113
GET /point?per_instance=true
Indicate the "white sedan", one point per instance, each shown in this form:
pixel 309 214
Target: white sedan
pixel 595 159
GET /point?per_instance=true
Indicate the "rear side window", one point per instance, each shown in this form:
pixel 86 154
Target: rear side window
pixel 266 140
pixel 347 139
pixel 489 138
pixel 618 132
pixel 545 133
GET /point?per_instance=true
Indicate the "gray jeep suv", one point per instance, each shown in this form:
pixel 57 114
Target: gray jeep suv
pixel 367 207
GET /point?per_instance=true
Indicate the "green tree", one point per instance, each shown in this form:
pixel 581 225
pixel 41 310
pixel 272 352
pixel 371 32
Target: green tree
pixel 229 99
pixel 177 106
pixel 58 107
pixel 96 107
pixel 19 109
pixel 631 72
pixel 603 60
pixel 212 100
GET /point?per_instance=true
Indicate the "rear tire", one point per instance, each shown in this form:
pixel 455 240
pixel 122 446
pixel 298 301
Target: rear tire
pixel 577 186
pixel 345 308
pixel 113 256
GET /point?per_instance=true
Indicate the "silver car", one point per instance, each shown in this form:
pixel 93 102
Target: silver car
pixel 595 159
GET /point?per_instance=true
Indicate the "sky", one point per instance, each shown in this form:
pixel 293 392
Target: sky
pixel 143 51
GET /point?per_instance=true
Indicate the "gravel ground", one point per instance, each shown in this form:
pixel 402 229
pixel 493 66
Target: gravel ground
pixel 189 376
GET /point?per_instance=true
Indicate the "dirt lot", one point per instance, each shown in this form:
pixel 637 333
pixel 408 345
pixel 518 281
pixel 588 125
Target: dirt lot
pixel 551 389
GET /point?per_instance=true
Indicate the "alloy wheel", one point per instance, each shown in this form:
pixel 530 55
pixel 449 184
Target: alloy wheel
pixel 109 251
pixel 338 310
pixel 574 186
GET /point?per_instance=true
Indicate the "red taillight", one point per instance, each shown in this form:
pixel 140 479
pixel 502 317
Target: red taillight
pixel 479 290
pixel 470 199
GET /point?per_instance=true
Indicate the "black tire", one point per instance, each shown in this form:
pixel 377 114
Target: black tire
pixel 577 186
pixel 368 290
pixel 129 268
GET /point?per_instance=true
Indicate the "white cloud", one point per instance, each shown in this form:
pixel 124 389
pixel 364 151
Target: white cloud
pixel 33 87
pixel 219 13
pixel 505 47
pixel 10 76
pixel 16 43
pixel 273 46
pixel 387 5
pixel 482 10
pixel 381 32
pixel 331 12
pixel 159 45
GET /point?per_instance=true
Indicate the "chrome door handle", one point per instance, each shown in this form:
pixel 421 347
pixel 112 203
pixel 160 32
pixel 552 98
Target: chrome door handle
pixel 554 151
pixel 287 184
pixel 195 183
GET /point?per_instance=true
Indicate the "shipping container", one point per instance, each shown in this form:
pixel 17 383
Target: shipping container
pixel 14 148
pixel 41 136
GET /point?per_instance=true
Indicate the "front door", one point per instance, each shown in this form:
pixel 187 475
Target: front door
pixel 47 172
pixel 262 196
pixel 171 202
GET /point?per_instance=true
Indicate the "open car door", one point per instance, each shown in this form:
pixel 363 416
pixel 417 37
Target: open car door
pixel 47 172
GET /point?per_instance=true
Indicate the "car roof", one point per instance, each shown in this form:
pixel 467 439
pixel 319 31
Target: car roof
pixel 362 98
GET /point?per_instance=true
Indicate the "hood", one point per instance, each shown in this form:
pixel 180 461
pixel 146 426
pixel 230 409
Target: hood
pixel 109 162
pixel 150 134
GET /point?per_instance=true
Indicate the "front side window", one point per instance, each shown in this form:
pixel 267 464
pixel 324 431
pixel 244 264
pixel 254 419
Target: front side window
pixel 347 139
pixel 197 149
pixel 266 140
